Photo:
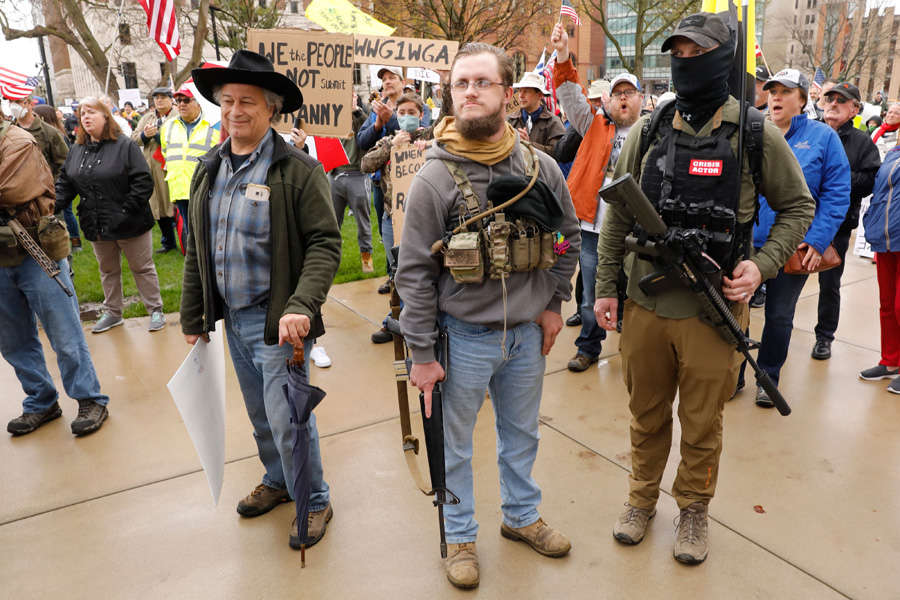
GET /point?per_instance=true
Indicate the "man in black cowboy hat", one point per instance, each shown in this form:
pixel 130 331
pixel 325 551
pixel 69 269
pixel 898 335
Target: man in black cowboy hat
pixel 263 247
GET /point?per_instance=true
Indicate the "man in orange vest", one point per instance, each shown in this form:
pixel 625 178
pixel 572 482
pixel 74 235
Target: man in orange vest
pixel 604 132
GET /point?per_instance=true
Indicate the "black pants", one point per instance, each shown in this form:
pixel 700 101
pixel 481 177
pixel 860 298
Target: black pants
pixel 830 291
pixel 167 232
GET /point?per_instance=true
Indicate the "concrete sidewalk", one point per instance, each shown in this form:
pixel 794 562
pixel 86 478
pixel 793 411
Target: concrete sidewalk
pixel 126 512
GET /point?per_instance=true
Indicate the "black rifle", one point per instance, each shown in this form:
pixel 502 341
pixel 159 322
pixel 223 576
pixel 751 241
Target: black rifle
pixel 682 255
pixel 33 249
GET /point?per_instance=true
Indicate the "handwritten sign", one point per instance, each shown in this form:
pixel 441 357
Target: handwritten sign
pixel 405 163
pixel 340 16
pixel 321 65
pixel 404 52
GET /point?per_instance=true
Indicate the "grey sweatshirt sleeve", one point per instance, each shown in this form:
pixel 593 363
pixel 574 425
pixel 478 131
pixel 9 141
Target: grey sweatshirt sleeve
pixel 578 110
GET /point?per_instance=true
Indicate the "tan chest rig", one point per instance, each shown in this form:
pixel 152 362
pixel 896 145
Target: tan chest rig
pixel 499 245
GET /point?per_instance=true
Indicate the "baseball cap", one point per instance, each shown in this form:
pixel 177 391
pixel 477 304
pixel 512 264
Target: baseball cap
pixel 395 70
pixel 791 78
pixel 161 91
pixel 847 90
pixel 184 91
pixel 706 29
pixel 762 73
pixel 627 78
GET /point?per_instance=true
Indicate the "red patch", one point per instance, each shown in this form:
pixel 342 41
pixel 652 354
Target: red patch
pixel 707 168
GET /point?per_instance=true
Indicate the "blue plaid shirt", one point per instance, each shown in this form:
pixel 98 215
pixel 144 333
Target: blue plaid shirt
pixel 239 228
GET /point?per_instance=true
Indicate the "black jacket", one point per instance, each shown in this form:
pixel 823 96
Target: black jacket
pixel 114 183
pixel 567 146
pixel 864 162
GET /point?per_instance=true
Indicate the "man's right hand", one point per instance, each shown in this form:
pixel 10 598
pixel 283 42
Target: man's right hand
pixel 400 138
pixel 191 339
pixel 559 41
pixel 424 376
pixel 606 310
pixel 382 112
pixel 150 130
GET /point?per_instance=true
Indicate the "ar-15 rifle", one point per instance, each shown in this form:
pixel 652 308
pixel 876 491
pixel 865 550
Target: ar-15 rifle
pixel 34 249
pixel 681 253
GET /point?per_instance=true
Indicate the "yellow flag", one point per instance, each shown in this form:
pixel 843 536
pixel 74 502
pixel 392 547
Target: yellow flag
pixel 340 16
pixel 720 6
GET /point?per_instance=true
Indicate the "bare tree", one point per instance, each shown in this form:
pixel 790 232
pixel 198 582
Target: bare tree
pixel 637 24
pixel 500 22
pixel 235 17
pixel 74 29
pixel 840 38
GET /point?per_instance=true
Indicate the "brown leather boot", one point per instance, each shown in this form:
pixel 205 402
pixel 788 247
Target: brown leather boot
pixel 462 565
pixel 540 536
pixel 367 266
pixel 261 500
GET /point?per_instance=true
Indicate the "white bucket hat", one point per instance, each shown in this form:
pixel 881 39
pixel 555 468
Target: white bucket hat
pixel 532 80
pixel 598 89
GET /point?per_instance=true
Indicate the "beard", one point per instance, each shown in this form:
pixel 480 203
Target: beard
pixel 481 128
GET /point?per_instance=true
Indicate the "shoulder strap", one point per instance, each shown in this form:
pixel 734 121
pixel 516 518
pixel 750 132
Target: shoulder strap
pixel 664 113
pixel 473 205
pixel 529 158
pixel 754 133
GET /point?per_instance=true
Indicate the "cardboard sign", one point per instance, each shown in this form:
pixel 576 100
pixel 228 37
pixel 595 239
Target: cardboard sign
pixel 404 52
pixel 405 163
pixel 321 64
pixel 419 74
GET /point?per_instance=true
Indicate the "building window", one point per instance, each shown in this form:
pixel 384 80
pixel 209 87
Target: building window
pixel 129 74
pixel 124 34
pixel 295 7
pixel 262 3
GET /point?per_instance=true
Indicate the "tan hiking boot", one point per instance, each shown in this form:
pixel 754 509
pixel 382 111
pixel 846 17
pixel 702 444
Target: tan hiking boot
pixel 540 536
pixel 367 266
pixel 462 565
pixel 261 500
pixel 631 525
pixel 318 523
pixel 692 535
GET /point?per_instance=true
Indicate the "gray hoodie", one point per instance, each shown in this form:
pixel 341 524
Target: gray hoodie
pixel 426 286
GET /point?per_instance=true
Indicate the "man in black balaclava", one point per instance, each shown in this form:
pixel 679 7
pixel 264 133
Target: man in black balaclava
pixel 666 346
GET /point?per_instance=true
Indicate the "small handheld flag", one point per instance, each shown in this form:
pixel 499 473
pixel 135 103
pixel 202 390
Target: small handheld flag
pixel 567 9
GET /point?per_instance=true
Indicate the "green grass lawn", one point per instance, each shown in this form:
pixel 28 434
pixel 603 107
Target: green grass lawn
pixel 170 267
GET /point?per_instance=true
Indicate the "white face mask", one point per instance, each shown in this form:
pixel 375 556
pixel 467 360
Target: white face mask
pixel 17 110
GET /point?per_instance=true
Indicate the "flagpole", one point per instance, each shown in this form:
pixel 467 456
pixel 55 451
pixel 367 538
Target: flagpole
pixel 108 63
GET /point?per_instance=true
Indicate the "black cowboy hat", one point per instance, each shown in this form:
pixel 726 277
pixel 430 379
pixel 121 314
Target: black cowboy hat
pixel 252 69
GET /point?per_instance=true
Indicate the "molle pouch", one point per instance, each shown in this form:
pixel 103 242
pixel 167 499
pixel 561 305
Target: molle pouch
pixel 53 237
pixel 659 282
pixel 534 247
pixel 497 242
pixel 519 246
pixel 464 259
pixel 548 256
pixel 10 254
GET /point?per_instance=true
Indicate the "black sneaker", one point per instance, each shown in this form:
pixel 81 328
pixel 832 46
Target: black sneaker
pixel 382 336
pixel 385 288
pixel 878 372
pixel 28 422
pixel 762 399
pixel 822 350
pixel 164 249
pixel 894 386
pixel 759 298
pixel 574 320
pixel 90 417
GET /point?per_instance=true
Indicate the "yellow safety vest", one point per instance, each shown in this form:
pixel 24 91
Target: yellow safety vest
pixel 182 154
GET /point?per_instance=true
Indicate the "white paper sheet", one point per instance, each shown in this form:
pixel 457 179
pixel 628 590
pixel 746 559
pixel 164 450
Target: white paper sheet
pixel 198 388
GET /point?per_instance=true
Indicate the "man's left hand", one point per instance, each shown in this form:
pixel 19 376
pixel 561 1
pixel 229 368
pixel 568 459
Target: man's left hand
pixel 745 279
pixel 551 324
pixel 293 328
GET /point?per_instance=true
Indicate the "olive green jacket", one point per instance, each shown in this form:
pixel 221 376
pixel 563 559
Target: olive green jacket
pixel 783 185
pixel 51 141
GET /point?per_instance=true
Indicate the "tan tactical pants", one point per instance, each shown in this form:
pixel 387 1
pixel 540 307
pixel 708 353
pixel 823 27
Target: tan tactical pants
pixel 659 357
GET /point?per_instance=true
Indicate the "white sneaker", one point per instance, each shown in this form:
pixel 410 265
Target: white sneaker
pixel 319 357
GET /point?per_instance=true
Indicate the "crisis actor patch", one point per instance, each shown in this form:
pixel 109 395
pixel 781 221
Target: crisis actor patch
pixel 705 167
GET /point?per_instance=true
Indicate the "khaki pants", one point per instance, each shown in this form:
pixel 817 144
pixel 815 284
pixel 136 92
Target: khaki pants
pixel 659 357
pixel 139 252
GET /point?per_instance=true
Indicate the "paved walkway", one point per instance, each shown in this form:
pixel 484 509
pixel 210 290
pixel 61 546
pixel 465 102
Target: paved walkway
pixel 126 513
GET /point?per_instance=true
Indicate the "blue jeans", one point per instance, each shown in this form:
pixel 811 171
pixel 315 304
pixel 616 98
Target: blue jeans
pixel 387 238
pixel 590 339
pixel 782 294
pixel 71 222
pixel 261 370
pixel 476 364
pixel 26 290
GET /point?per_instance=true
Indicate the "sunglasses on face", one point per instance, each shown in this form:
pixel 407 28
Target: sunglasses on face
pixel 836 98
pixel 183 100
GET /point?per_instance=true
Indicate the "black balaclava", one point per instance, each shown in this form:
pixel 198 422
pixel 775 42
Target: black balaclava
pixel 701 83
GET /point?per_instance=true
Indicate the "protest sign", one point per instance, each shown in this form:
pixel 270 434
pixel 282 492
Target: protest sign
pixel 404 52
pixel 419 74
pixel 321 64
pixel 340 16
pixel 132 95
pixel 405 163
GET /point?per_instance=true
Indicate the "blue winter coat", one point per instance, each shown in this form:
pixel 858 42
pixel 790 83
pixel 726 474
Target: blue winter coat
pixel 821 156
pixel 882 219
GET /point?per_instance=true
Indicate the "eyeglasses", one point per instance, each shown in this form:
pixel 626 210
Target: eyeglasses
pixel 836 98
pixel 183 100
pixel 461 85
pixel 624 94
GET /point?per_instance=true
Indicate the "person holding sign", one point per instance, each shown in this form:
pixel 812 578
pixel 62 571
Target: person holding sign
pixel 533 121
pixel 263 248
pixel 502 314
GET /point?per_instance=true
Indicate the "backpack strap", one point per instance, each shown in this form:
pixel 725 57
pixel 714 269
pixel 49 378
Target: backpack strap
pixel 754 140
pixel 473 205
pixel 664 113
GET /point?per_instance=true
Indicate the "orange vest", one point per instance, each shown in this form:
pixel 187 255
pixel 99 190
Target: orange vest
pixel 589 169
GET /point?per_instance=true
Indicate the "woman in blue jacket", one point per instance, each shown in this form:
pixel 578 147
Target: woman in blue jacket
pixel 819 151
pixel 882 223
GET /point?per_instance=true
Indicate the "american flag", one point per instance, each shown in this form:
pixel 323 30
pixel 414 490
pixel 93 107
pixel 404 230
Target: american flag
pixel 568 9
pixel 163 25
pixel 819 77
pixel 15 86
pixel 546 71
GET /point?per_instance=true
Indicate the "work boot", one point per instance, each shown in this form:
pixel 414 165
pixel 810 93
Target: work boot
pixel 580 362
pixel 76 244
pixel 28 422
pixel 762 399
pixel 574 320
pixel 385 288
pixel 631 525
pixel 462 565
pixel 382 336
pixel 90 417
pixel 261 500
pixel 822 350
pixel 692 535
pixel 317 524
pixel 540 536
pixel 366 259
pixel 879 372
pixel 107 322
